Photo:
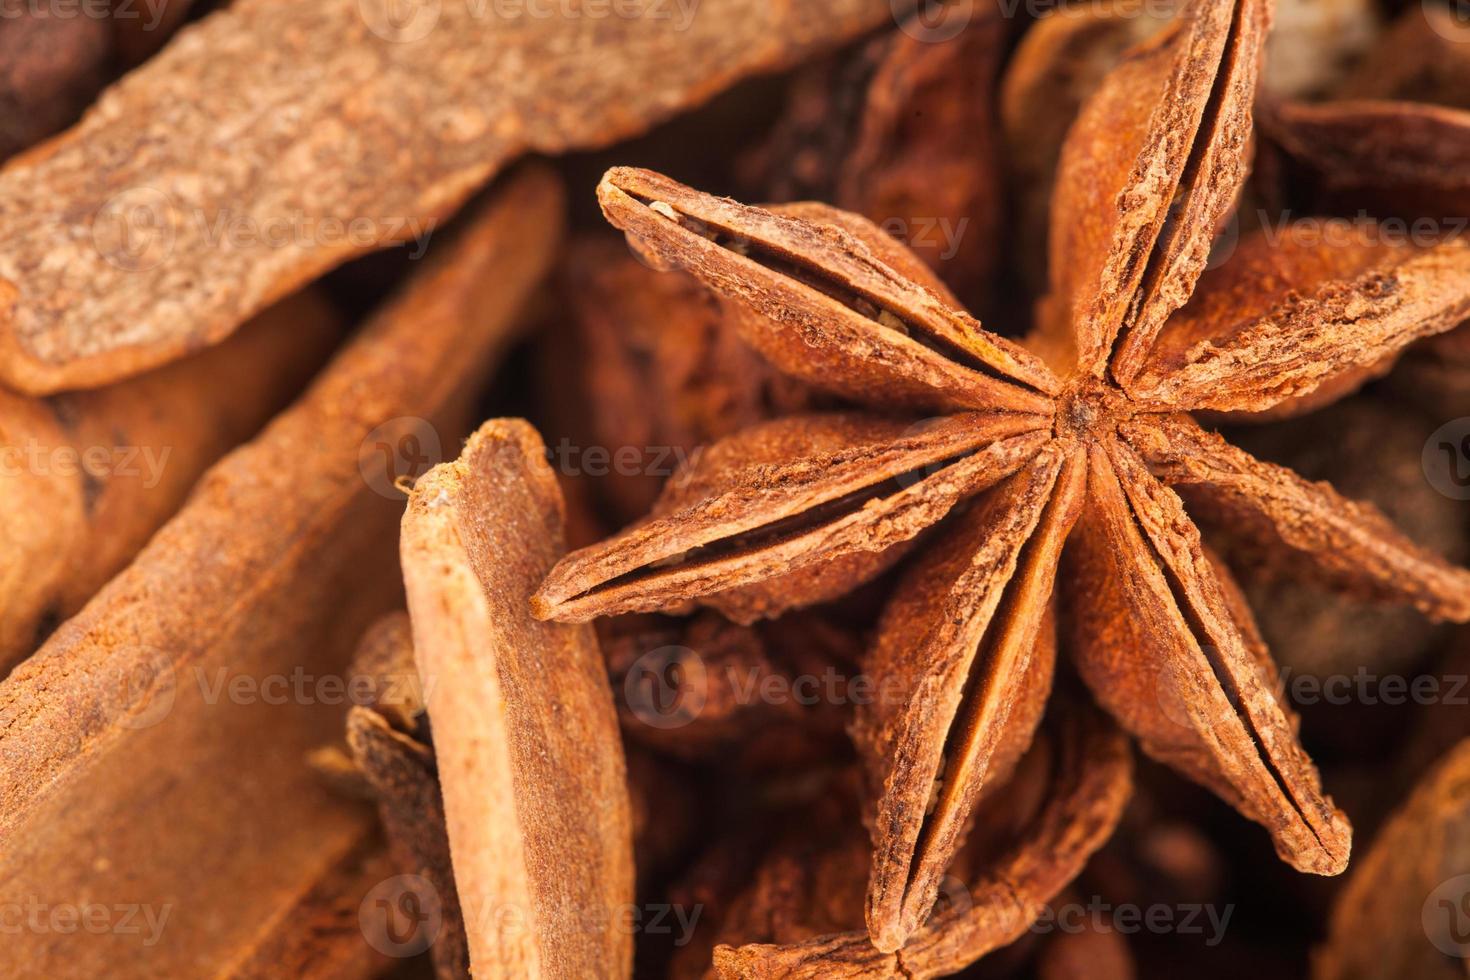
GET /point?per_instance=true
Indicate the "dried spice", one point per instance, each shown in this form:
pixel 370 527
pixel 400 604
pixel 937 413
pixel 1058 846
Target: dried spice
pixel 134 772
pixel 900 130
pixel 1083 775
pixel 525 735
pixel 1058 63
pixel 383 664
pixel 1064 56
pixel 1394 137
pixel 50 68
pixel 800 509
pixel 317 934
pixel 660 373
pixel 903 131
pixel 401 771
pixel 1316 631
pixel 767 696
pixel 1397 158
pixel 1403 912
pixel 1395 140
pixel 808 733
pixel 390 753
pixel 386 737
pixel 110 268
pixel 95 473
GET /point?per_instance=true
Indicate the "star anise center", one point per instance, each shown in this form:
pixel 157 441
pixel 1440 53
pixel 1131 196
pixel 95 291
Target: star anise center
pixel 1088 407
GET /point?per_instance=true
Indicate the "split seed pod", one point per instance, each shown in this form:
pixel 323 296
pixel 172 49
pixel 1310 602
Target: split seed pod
pixel 1085 772
pixel 796 510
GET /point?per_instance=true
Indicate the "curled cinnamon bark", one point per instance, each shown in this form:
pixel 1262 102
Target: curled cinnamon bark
pixel 88 476
pixel 177 209
pixel 525 732
pixel 151 727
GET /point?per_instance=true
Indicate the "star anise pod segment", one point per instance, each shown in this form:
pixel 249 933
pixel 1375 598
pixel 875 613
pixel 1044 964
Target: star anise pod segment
pixel 806 507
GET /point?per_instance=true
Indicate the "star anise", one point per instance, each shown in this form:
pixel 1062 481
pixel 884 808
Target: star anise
pixel 1394 136
pixel 1080 449
pixel 1402 911
pixel 1393 139
pixel 797 916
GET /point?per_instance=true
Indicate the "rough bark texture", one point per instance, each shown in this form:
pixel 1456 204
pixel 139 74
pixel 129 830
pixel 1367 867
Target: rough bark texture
pixel 125 763
pixel 178 207
pixel 535 791
pixel 91 475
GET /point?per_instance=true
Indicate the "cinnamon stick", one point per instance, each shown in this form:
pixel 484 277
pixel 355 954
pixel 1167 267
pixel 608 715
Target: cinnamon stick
pixel 535 791
pixel 178 207
pixel 149 759
pixel 88 476
pixel 50 68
